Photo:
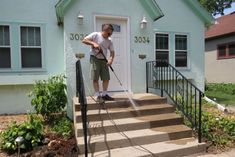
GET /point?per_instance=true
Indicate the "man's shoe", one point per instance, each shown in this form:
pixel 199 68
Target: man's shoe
pixel 99 99
pixel 107 98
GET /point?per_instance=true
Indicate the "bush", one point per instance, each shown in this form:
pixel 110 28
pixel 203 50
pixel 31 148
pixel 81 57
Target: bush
pixel 49 96
pixel 228 88
pixel 31 131
pixel 218 129
pixel 62 126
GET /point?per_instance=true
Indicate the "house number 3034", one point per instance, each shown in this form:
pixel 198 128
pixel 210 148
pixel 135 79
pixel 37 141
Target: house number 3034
pixel 140 39
pixel 77 36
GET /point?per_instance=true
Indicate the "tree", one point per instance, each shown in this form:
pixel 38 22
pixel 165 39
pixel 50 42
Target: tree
pixel 216 6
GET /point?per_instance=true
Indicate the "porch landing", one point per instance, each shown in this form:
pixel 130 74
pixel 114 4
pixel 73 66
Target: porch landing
pixel 152 128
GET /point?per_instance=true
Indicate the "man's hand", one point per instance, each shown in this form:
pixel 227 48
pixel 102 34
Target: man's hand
pixel 96 46
pixel 110 61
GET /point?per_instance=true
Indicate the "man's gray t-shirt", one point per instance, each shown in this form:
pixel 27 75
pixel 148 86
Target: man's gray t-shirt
pixel 105 44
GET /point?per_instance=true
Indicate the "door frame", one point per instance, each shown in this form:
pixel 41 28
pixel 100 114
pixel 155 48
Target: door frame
pixel 128 47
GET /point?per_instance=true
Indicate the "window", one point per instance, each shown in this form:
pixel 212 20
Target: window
pixel 31 51
pixel 226 51
pixel 5 49
pixel 181 50
pixel 162 47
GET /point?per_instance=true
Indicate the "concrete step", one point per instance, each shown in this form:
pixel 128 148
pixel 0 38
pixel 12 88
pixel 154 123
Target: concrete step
pixel 173 148
pixel 135 137
pixel 125 112
pixel 136 123
pixel 121 102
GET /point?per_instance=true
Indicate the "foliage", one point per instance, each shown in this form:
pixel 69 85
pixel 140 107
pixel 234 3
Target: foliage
pixel 62 126
pixel 31 131
pixel 216 6
pixel 224 93
pixel 49 96
pixel 218 128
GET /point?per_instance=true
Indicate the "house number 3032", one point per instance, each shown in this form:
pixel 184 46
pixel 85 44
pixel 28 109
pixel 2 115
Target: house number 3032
pixel 77 36
pixel 140 39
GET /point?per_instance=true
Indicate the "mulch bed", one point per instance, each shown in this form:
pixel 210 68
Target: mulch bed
pixel 57 147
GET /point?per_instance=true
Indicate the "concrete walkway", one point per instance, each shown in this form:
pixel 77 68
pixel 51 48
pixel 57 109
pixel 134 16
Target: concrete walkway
pixel 230 153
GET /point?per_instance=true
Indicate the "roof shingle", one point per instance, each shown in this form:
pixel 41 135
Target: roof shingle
pixel 225 25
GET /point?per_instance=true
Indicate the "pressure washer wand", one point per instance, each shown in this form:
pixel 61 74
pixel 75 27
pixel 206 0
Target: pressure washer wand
pixel 101 51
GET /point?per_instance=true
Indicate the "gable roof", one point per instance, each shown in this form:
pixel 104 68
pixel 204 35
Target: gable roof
pixel 225 26
pixel 150 5
pixel 201 12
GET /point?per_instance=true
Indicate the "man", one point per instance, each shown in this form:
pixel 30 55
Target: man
pixel 100 44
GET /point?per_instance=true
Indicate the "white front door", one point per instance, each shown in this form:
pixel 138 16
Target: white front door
pixel 119 38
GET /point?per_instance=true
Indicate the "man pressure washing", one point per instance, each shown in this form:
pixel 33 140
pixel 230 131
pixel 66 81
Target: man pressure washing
pixel 100 44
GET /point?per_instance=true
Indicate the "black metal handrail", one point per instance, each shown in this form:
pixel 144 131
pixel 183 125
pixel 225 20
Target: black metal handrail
pixel 80 93
pixel 187 97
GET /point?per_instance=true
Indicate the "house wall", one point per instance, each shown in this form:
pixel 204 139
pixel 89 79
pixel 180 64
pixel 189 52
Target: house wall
pixel 218 71
pixel 15 83
pixel 179 18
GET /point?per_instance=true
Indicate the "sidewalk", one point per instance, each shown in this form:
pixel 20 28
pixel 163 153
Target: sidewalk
pixel 230 153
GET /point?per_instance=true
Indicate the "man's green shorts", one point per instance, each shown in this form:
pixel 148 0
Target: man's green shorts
pixel 99 68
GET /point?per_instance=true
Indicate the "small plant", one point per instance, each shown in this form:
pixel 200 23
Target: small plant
pixel 62 126
pixel 31 131
pixel 49 96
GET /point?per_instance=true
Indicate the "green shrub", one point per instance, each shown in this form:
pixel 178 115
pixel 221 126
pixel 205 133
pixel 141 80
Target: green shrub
pixel 218 129
pixel 31 130
pixel 62 126
pixel 49 96
pixel 228 88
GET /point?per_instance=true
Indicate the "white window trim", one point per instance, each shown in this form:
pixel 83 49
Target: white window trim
pixel 9 46
pixel 169 44
pixel 22 69
pixel 188 59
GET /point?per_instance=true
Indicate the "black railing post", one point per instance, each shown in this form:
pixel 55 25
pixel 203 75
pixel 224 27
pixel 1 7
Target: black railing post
pixel 200 118
pixel 80 92
pixel 147 83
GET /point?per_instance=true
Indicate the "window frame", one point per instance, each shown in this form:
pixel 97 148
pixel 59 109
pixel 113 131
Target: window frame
pixel 10 46
pixel 20 50
pixel 165 50
pixel 227 56
pixel 187 50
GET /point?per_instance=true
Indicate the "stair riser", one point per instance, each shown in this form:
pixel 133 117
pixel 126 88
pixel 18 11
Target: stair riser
pixel 97 129
pixel 123 104
pixel 101 146
pixel 120 115
pixel 181 152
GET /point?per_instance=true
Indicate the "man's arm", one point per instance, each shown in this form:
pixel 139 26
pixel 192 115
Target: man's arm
pixel 90 42
pixel 110 60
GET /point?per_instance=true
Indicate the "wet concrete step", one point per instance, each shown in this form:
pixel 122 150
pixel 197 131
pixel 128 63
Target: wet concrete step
pixel 125 112
pixel 100 141
pixel 121 102
pixel 135 123
pixel 174 148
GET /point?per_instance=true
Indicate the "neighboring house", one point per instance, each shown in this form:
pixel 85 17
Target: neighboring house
pixel 39 39
pixel 220 50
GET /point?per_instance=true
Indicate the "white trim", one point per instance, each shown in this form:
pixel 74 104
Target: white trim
pixel 41 46
pixel 8 46
pixel 188 56
pixel 128 38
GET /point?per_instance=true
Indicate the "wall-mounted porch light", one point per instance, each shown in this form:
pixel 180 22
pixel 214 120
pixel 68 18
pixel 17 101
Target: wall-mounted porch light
pixel 80 18
pixel 143 23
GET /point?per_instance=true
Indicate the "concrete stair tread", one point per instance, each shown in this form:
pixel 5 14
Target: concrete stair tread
pixel 172 148
pixel 126 109
pixel 132 120
pixel 162 131
pixel 135 97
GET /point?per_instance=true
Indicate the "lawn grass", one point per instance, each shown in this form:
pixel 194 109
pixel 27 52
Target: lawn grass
pixel 221 93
